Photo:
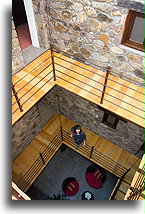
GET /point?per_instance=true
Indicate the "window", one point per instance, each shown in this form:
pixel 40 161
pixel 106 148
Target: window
pixel 134 31
pixel 110 120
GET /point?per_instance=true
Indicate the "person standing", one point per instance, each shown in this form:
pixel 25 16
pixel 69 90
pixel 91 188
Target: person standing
pixel 79 136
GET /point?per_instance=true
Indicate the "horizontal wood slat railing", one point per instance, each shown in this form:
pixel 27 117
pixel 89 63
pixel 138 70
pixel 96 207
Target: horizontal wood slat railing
pixel 39 164
pixel 138 188
pixel 95 83
pixel 96 156
pixel 63 137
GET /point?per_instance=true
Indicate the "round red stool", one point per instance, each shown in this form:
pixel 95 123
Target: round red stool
pixel 70 186
pixel 95 176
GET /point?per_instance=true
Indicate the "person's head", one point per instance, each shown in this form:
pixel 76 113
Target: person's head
pixel 77 129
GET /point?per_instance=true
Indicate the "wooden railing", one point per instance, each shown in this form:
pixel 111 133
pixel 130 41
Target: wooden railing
pixel 138 188
pixel 88 151
pixel 104 85
pixel 91 153
pixel 54 75
pixel 35 169
pixel 17 93
pixel 114 193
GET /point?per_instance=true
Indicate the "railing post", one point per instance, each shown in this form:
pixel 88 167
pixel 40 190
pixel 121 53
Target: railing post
pixel 16 97
pixel 119 184
pixel 42 158
pixel 53 65
pixel 61 131
pixel 135 192
pixel 105 84
pixel 91 151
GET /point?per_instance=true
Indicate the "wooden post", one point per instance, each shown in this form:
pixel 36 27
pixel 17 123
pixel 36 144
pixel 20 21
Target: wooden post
pixel 42 158
pixel 105 84
pixel 91 151
pixel 135 193
pixel 16 97
pixel 61 133
pixel 119 184
pixel 53 66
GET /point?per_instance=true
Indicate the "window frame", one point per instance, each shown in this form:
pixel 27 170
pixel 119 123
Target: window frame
pixel 129 23
pixel 104 120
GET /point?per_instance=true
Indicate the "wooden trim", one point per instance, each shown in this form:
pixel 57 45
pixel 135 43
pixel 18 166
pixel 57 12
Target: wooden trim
pixel 18 194
pixel 128 29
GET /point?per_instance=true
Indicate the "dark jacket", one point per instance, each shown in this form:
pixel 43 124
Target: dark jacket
pixel 79 138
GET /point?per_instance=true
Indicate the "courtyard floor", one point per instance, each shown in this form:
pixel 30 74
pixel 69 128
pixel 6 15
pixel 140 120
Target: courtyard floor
pixel 68 164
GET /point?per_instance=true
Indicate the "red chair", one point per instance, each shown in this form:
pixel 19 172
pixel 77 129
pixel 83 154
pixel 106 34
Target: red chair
pixel 70 186
pixel 95 176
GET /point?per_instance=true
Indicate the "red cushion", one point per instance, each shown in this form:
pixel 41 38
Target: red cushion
pixel 72 190
pixel 96 172
pixel 93 181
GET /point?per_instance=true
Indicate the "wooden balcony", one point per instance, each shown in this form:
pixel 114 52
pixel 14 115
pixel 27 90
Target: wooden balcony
pixel 111 157
pixel 35 80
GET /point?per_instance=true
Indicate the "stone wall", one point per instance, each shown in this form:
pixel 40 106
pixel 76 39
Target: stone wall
pixel 17 58
pixel 42 22
pixel 25 130
pixel 89 29
pixel 128 136
pixel 137 5
pixel 92 30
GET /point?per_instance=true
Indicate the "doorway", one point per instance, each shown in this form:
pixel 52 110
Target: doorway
pixel 21 23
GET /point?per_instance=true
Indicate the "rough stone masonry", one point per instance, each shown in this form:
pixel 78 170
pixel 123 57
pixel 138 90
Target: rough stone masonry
pixel 17 58
pixel 92 30
pixel 89 29
pixel 128 136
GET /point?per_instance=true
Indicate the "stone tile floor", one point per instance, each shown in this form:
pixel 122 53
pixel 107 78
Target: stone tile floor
pixel 31 53
pixel 24 36
pixel 68 164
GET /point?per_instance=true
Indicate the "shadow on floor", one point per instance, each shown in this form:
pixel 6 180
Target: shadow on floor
pixel 68 164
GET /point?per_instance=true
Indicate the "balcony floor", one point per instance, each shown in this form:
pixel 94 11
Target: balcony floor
pixel 121 97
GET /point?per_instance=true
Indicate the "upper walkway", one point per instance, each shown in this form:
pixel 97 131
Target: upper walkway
pixel 37 78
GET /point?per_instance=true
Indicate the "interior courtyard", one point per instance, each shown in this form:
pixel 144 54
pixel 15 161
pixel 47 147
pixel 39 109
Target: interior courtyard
pixel 74 64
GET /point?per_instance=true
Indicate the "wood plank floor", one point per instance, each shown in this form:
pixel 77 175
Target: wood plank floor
pixel 121 97
pixel 31 84
pixel 25 160
pixel 83 80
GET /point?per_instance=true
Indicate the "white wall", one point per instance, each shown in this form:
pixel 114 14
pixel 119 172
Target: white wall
pixel 31 22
